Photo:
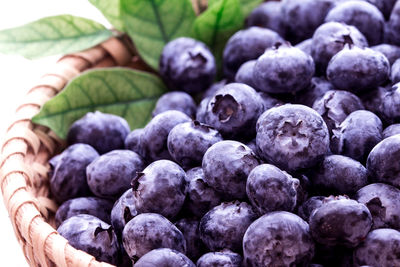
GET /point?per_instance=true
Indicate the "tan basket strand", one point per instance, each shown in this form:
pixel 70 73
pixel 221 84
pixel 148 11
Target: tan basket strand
pixel 14 165
pixel 26 135
pixel 40 233
pixel 118 51
pixel 47 141
pixel 50 81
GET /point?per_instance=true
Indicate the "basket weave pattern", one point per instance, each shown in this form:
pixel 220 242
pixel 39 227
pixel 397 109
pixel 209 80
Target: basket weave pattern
pixel 24 160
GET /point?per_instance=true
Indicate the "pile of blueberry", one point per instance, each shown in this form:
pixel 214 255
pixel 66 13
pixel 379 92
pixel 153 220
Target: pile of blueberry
pixel 292 159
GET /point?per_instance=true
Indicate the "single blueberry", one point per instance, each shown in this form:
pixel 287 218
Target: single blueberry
pixel 187 65
pixel 92 235
pixel 200 196
pixel 383 201
pixel 104 132
pixel 307 208
pixel 153 141
pixel 395 74
pixel 226 166
pixel 270 189
pixel 245 73
pixel 316 90
pixel 224 225
pixel 357 135
pixel 340 221
pixel 225 258
pixel 123 211
pixel 110 175
pixel 380 248
pixel 202 110
pixel 292 137
pixel 160 188
pixel 245 45
pixel 164 257
pixel 335 105
pixel 338 174
pixel 358 69
pixel 278 238
pixel 329 39
pixel 385 6
pixel 361 14
pixel 391 130
pixel 391 52
pixel 214 88
pixel 382 163
pixel 68 178
pixel 148 231
pixel 283 69
pixel 95 206
pixel 188 141
pixel 190 230
pixel 132 141
pixel 233 111
pixel 268 15
pixel 302 17
pixel 175 101
pixel 305 46
pixel 269 101
pixel 393 25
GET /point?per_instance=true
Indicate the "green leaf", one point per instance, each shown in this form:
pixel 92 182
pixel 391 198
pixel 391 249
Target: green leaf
pixel 110 10
pixel 52 35
pixel 128 93
pixel 249 5
pixel 153 23
pixel 217 24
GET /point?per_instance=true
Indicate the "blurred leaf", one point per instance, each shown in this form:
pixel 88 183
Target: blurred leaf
pixel 153 23
pixel 249 5
pixel 110 10
pixel 128 93
pixel 217 24
pixel 52 35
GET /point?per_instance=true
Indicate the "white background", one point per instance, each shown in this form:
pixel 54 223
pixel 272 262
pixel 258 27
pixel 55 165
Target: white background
pixel 17 75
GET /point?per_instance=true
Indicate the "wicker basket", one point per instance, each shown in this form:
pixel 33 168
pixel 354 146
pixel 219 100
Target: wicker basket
pixel 26 150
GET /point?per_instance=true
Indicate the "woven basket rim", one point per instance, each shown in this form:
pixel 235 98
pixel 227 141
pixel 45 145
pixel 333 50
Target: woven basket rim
pixel 26 148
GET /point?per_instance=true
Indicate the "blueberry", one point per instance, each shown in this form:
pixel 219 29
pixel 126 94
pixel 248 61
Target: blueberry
pixel 391 130
pixel 292 137
pixel 278 238
pixel 269 101
pixel 190 230
pixel 340 221
pixel 307 208
pixel 269 189
pixel 305 46
pixel 226 166
pixel 268 15
pixel 132 141
pixel 233 111
pixel 200 196
pixel 358 69
pixel 95 206
pixel 395 74
pixel 68 178
pixel 338 174
pixel 176 101
pixel 302 17
pixel 388 109
pixel 164 257
pixel 246 45
pixel 245 73
pixel 283 69
pixel 335 105
pixel 224 225
pixel 92 235
pixel 110 175
pixel 317 89
pixel 382 163
pixel 391 52
pixel 393 25
pixel 385 6
pixel 188 141
pixel 363 15
pixel 214 88
pixel 104 132
pixel 148 231
pixel 329 39
pixel 123 211
pixel 380 248
pixel 187 65
pixel 373 100
pixel 202 110
pixel 155 135
pixel 225 258
pixel 357 135
pixel 383 201
pixel 161 188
